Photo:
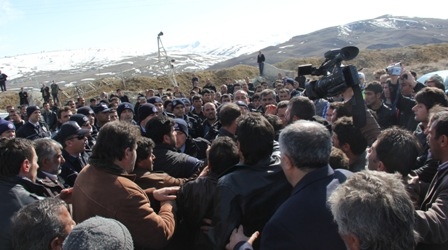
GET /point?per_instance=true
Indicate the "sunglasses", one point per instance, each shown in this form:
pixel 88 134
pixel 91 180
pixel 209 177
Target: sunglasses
pixel 79 137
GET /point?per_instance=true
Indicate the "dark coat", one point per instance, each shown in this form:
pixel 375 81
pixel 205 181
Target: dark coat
pixel 72 166
pixel 29 131
pixel 176 164
pixel 248 195
pixel 13 196
pixel 304 221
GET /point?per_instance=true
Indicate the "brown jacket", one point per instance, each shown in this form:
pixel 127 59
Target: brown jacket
pixel 104 192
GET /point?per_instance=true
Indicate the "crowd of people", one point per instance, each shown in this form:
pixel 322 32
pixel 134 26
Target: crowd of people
pixel 236 166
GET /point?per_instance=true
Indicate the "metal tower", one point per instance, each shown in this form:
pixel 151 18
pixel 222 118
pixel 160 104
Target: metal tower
pixel 165 63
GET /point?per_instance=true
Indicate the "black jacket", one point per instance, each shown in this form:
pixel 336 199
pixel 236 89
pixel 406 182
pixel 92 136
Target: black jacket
pixel 29 131
pixel 248 195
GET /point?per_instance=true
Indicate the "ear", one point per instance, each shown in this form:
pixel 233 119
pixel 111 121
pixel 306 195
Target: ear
pixel 295 118
pixel 56 243
pixel 127 153
pixel 351 241
pixel 166 139
pixel 443 141
pixel 25 166
pixel 381 166
pixel 287 162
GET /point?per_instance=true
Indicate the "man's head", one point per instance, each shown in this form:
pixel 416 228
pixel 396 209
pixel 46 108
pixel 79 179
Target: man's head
pixel 33 113
pixel 43 224
pixel 226 98
pixel 178 108
pixel 102 113
pixel 268 96
pixel 228 114
pixel 435 81
pixel 206 95
pixel 283 94
pixel 299 107
pixel 438 136
pixel 116 143
pixel 7 129
pixel 146 112
pixel 18 158
pixel 255 138
pixel 181 128
pixel 88 112
pixel 425 99
pixel 347 137
pixel 241 95
pixel 372 206
pixel 222 147
pixel 209 110
pixel 49 154
pixel 145 157
pixel 395 150
pixel 161 130
pixel 373 94
pixel 125 112
pixel 64 114
pixel 72 137
pixel 281 111
pixel 156 101
pixel 305 145
pixel 197 102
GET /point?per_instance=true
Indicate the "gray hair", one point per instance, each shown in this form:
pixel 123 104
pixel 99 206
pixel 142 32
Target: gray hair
pixel 307 143
pixel 46 148
pixel 37 224
pixel 374 206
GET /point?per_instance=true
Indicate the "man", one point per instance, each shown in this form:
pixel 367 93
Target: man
pixel 228 117
pixel 34 128
pixel 19 165
pixel 241 95
pixel 23 97
pixel 283 94
pixel 197 107
pixel 238 198
pixel 88 112
pixel 50 160
pixel 14 117
pixel 101 115
pixel 195 147
pixel 45 90
pixel 145 177
pixel 80 102
pixel 395 150
pixel 210 118
pixel 268 96
pixel 125 112
pixel 372 206
pixel 260 61
pixel 305 148
pixel 209 85
pixel 146 112
pixel 195 198
pixel 3 81
pixel 194 127
pixel 50 117
pixel 351 141
pixel 430 219
pixel 64 115
pixel 42 225
pixel 157 101
pixel 7 129
pixel 161 131
pixel 55 92
pixel 73 140
pixel 281 111
pixel 373 97
pixel 109 172
pixel 123 97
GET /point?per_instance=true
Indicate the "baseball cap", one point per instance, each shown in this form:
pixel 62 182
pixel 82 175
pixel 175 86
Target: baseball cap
pixel 101 108
pixel 69 129
pixel 181 125
pixel 177 102
pixel 6 125
pixel 123 106
pixel 154 100
pixel 86 110
pixel 146 110
pixel 80 119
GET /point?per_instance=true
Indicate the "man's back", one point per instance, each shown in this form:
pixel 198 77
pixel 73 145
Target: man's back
pixel 248 195
pixel 304 221
pixel 176 164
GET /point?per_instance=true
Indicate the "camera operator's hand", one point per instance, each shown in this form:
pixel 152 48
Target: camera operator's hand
pixel 407 78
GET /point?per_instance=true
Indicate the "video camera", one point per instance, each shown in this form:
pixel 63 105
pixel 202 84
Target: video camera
pixel 335 78
pixel 394 69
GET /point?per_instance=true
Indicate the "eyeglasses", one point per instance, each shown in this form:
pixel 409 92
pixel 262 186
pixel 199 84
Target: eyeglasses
pixel 79 137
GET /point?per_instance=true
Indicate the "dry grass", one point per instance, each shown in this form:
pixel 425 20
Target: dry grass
pixel 422 59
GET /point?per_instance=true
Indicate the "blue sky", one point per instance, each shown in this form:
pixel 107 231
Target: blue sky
pixel 32 26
